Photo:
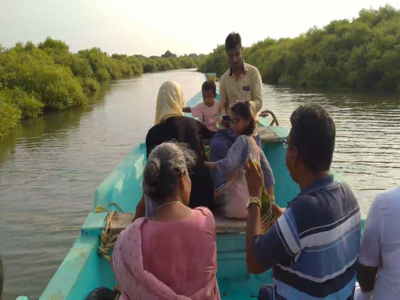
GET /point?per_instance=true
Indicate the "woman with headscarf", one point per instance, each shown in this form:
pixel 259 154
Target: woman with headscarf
pixel 170 124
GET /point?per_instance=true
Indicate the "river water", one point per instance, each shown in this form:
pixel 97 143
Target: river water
pixel 50 167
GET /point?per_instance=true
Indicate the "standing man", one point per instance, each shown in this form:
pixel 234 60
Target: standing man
pixel 313 246
pixel 242 82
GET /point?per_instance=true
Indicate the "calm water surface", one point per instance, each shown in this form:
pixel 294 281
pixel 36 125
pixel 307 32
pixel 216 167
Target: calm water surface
pixel 50 167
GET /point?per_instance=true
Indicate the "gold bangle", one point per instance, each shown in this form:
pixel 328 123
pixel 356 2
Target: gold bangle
pixel 252 200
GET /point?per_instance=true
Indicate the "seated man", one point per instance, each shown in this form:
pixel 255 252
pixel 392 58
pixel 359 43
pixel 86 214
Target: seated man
pixel 378 271
pixel 313 246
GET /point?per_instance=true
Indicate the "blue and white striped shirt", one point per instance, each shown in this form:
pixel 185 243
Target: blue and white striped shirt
pixel 313 247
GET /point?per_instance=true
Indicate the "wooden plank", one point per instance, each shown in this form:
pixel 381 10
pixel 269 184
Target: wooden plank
pixel 267 135
pixel 120 221
pixel 228 225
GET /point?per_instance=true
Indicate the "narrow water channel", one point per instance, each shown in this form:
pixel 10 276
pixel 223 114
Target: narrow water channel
pixel 50 167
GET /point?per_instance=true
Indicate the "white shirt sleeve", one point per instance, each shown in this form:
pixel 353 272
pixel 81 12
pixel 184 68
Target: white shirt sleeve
pixel 370 251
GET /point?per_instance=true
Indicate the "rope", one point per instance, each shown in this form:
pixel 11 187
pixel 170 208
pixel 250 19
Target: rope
pixel 107 239
pixel 105 209
pixel 117 292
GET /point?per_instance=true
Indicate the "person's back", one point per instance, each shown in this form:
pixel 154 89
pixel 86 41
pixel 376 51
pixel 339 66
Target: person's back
pixel 171 125
pixel 321 227
pixel 380 247
pixel 186 130
pixel 172 254
pixel 188 245
pixel 314 244
pixel 182 129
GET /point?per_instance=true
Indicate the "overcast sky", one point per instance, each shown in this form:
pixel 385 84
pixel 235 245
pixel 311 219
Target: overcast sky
pixel 151 27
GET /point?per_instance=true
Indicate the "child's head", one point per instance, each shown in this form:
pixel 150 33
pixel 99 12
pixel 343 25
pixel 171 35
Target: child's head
pixel 209 91
pixel 242 119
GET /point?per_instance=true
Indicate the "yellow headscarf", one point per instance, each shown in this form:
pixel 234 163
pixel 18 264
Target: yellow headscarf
pixel 169 102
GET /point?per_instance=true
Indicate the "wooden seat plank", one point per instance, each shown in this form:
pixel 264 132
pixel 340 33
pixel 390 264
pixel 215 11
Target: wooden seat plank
pixel 267 135
pixel 120 221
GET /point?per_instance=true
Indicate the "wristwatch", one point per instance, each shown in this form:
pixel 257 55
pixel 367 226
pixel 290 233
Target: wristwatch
pixel 251 200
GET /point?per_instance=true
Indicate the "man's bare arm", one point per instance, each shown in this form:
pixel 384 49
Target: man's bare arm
pixel 366 277
pixel 256 92
pixel 223 101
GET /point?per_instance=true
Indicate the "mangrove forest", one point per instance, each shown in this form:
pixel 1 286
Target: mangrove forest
pixel 362 53
pixel 47 76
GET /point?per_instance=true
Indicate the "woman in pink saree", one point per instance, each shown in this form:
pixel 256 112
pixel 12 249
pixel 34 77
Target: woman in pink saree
pixel 172 254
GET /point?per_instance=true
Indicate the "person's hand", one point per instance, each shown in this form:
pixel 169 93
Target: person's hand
pixel 254 178
pixel 219 193
pixel 226 124
pixel 277 210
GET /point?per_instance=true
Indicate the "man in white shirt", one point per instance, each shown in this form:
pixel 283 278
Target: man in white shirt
pixel 378 271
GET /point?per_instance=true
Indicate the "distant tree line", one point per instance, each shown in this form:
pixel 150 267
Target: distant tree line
pixel 363 53
pixel 48 76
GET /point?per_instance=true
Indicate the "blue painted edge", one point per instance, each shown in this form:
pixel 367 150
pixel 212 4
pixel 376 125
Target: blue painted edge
pixel 70 269
pixel 103 193
pixel 93 223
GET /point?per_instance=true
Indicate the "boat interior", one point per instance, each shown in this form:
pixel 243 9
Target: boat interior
pixel 84 269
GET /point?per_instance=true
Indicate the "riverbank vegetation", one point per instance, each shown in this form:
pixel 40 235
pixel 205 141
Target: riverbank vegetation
pixel 362 53
pixel 47 76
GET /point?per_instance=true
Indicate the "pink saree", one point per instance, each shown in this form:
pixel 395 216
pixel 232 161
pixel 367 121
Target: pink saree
pixel 136 283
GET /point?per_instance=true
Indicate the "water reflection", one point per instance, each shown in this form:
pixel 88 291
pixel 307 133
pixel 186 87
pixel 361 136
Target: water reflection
pixel 31 131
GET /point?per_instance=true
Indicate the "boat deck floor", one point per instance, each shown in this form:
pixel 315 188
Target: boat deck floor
pixel 237 289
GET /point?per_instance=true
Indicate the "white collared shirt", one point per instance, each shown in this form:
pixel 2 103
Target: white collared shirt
pixel 380 246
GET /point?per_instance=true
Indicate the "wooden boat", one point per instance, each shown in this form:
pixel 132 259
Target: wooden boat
pixel 84 270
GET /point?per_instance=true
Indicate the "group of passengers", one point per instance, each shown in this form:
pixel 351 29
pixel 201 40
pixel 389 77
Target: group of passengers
pixel 313 246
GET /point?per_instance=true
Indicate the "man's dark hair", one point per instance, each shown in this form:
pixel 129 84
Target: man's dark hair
pixel 313 135
pixel 233 40
pixel 209 85
pixel 243 110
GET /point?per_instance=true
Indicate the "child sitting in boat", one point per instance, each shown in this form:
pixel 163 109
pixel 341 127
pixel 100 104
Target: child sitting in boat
pixel 233 196
pixel 207 111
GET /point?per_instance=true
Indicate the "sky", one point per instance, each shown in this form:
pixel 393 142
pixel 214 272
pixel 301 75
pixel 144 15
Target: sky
pixel 150 27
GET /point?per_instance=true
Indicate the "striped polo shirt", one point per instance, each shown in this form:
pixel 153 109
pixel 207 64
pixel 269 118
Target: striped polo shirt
pixel 313 247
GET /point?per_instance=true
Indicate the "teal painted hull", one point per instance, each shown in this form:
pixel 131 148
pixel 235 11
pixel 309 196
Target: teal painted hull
pixel 84 270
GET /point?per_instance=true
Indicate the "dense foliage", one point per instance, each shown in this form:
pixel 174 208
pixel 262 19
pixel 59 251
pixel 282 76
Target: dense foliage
pixel 363 53
pixel 49 76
